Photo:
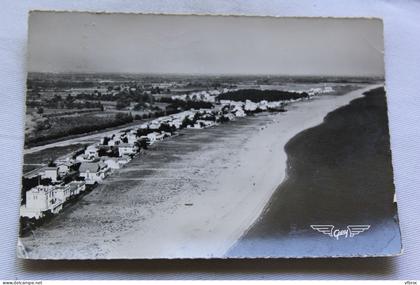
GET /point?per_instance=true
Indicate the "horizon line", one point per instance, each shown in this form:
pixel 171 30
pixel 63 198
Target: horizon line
pixel 201 74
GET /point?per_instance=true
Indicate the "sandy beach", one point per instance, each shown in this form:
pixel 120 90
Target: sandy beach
pixel 194 202
pixel 339 173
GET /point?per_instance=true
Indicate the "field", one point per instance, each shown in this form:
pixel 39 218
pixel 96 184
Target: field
pixel 34 160
pixel 56 127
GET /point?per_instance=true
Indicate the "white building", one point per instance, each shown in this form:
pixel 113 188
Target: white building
pixel 76 187
pixel 50 173
pixel 263 105
pixel 131 138
pixel 39 200
pixel 176 122
pixel 230 116
pixel 111 162
pixel 63 168
pixel 154 125
pixel 144 126
pixel 91 151
pixel 115 162
pixel 62 192
pixel 250 106
pixel 155 136
pixel 238 110
pixel 93 172
pixel 127 149
pixel 115 140
pixel 205 123
pixel 103 140
pixel 85 158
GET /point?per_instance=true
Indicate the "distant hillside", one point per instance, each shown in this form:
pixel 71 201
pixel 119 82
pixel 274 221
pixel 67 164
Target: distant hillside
pixel 256 95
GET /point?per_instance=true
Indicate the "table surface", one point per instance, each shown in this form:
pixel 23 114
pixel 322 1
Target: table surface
pixel 402 34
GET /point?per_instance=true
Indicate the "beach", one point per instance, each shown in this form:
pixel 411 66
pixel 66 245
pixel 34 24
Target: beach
pixel 348 180
pixel 190 196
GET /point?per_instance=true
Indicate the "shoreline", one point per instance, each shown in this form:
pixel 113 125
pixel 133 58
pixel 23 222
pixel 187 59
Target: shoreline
pixel 219 236
pixel 346 163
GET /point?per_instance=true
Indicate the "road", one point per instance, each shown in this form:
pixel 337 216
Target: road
pixel 82 139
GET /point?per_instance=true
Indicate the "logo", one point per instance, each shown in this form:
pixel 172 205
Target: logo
pixel 350 232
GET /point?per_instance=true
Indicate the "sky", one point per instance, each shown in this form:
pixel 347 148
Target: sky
pixel 214 45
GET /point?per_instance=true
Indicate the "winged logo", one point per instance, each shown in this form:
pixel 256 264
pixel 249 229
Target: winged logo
pixel 357 229
pixel 351 230
pixel 325 229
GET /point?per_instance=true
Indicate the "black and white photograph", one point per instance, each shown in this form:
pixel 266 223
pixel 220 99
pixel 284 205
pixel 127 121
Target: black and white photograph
pixel 152 136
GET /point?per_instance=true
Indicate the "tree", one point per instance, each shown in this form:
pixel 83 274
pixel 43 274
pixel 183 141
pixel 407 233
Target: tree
pixel 165 127
pixel 138 106
pixel 187 122
pixel 121 104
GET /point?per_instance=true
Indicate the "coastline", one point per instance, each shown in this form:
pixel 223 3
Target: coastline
pixel 346 163
pixel 210 195
pixel 200 234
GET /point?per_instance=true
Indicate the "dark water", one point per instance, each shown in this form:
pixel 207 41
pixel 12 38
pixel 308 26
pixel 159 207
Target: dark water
pixel 339 173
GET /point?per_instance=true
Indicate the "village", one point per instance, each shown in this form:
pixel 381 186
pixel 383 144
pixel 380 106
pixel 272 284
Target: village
pixel 47 190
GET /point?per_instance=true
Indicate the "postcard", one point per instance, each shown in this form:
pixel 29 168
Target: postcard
pixel 196 136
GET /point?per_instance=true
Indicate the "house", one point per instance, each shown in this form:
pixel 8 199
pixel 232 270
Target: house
pixel 166 134
pixel 84 158
pixel 115 162
pixel 176 122
pixel 263 105
pixel 144 139
pixel 229 116
pixel 114 141
pixel 64 168
pixel 154 125
pixel 93 172
pixel 195 126
pixel 76 187
pixel 123 160
pixel 39 200
pixel 65 192
pixel 104 141
pixel 91 151
pixel 155 136
pixel 50 173
pixel 132 138
pixel 250 106
pixel 111 162
pixel 62 192
pixel 106 150
pixel 205 123
pixel 127 149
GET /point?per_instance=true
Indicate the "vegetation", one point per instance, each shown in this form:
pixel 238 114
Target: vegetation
pixel 51 154
pixel 256 95
pixel 125 95
pixel 176 105
pixel 67 126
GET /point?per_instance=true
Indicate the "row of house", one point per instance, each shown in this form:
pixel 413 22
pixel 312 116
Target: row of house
pixel 69 176
pixel 205 95
pixel 49 198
